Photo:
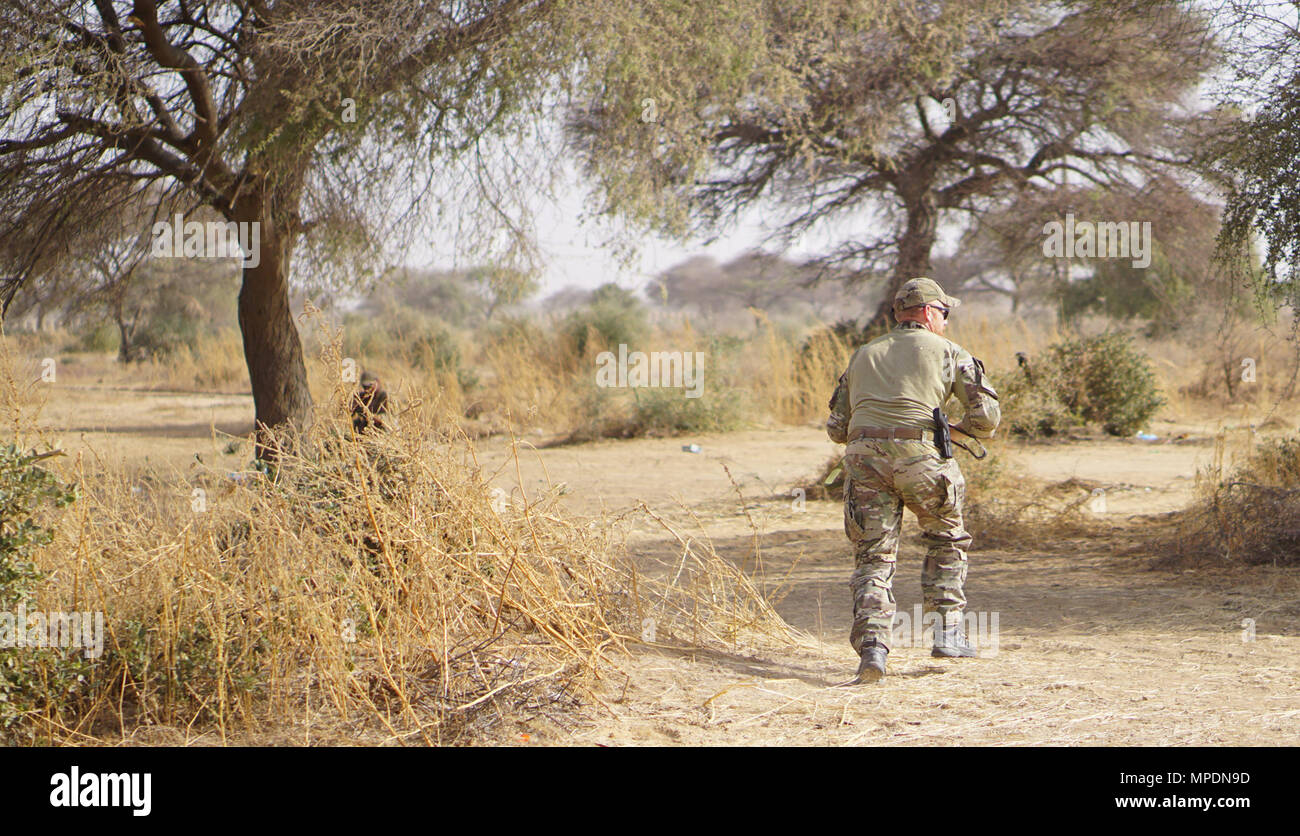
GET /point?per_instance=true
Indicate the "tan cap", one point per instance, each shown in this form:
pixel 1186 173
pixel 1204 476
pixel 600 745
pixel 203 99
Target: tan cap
pixel 922 291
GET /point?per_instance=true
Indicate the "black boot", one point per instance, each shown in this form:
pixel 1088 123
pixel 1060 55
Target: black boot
pixel 872 667
pixel 950 642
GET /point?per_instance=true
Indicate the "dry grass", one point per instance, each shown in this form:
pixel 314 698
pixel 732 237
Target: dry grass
pixel 215 364
pixel 1246 513
pixel 529 375
pixel 995 339
pixel 370 590
pixel 1004 507
pixel 793 378
pixel 229 624
pixel 379 591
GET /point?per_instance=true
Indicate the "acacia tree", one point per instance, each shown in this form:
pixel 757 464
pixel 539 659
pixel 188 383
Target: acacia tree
pixel 1256 156
pixel 825 111
pixel 325 122
pixel 107 275
pixel 501 286
pixel 750 280
pixel 1003 252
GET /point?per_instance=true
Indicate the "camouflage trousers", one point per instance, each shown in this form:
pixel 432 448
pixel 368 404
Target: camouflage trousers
pixel 881 477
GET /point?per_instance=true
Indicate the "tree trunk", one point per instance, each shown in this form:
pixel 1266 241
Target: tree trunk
pixel 124 334
pixel 124 342
pixel 913 255
pixel 272 348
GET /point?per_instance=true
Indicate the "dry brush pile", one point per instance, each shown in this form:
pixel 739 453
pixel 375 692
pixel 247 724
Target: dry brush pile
pixel 1248 513
pixel 369 590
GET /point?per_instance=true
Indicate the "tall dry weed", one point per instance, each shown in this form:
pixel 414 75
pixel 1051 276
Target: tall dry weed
pixel 373 589
pixel 1247 512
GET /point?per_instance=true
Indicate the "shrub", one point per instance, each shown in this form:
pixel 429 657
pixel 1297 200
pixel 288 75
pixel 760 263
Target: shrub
pixel 1102 379
pixel 1119 290
pixel 23 488
pixel 668 412
pixel 1277 463
pixel 1033 409
pixel 1107 380
pixel 165 335
pixel 1251 516
pixel 29 677
pixel 54 683
pixel 632 413
pixel 381 334
pixel 436 350
pixel 384 582
pixel 613 317
pixel 101 339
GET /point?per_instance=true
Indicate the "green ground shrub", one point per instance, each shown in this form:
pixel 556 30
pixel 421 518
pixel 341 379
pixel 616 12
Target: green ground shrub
pixel 668 412
pixel 30 677
pixel 1107 380
pixel 1103 379
pixel 614 316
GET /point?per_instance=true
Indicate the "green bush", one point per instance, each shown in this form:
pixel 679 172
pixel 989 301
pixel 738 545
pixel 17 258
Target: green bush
pixel 669 412
pixel 1160 293
pixel 436 350
pixel 164 335
pixel 1105 379
pixel 23 488
pixel 1033 409
pixel 613 317
pixel 30 677
pixel 633 413
pixel 1102 379
pixel 422 340
pixel 162 672
pixel 102 338
pixel 380 335
pixel 174 667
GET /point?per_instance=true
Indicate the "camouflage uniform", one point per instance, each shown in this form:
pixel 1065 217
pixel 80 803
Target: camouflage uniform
pixel 896 381
pixel 370 406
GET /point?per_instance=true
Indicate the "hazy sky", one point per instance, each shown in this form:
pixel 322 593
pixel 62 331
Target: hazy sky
pixel 574 256
pixel 572 248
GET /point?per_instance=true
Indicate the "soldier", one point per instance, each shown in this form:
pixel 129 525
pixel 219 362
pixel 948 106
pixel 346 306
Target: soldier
pixel 370 405
pixel 883 408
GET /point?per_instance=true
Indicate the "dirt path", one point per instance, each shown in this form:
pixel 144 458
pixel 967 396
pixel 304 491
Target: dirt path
pixel 132 429
pixel 1090 650
pixel 1093 645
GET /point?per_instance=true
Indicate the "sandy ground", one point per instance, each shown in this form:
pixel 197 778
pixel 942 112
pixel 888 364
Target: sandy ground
pixel 1094 646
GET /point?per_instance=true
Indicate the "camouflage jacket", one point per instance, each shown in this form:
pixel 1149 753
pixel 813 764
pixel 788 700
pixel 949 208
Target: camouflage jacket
pixel 898 379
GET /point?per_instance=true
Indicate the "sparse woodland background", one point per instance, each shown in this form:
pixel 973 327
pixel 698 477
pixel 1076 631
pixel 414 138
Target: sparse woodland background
pixel 376 585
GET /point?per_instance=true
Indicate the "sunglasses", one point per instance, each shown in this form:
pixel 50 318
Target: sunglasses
pixel 943 311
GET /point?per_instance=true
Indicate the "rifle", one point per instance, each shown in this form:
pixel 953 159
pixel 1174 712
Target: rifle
pixel 943 439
